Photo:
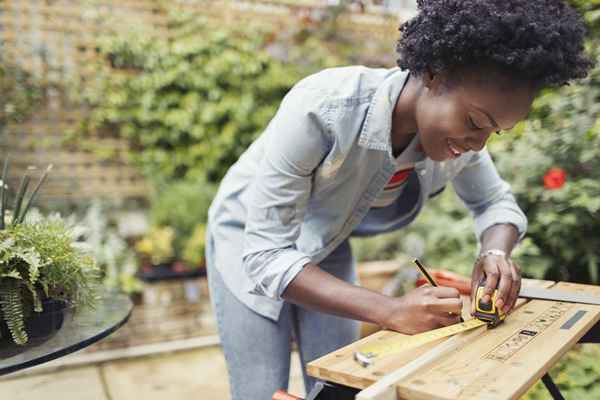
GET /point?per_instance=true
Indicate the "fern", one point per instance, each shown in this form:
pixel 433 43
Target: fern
pixel 12 310
pixel 38 260
pixel 5 247
pixel 33 261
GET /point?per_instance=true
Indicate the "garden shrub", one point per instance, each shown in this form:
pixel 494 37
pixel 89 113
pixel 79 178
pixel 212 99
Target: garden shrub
pixel 189 103
pixel 20 94
pixel 183 206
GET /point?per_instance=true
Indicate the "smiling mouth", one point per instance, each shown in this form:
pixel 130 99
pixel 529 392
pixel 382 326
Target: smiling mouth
pixel 453 149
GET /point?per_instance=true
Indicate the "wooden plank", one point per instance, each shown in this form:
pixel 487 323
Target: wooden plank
pixel 385 388
pixel 507 360
pixel 340 367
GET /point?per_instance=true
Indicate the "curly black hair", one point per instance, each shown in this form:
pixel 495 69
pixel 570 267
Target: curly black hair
pixel 540 41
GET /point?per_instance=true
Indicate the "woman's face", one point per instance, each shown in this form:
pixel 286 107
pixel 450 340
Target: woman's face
pixel 457 116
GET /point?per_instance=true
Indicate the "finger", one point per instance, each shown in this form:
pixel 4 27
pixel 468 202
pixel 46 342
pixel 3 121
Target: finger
pixel 475 278
pixel 506 282
pixel 442 292
pixel 448 305
pixel 514 292
pixel 448 319
pixel 492 275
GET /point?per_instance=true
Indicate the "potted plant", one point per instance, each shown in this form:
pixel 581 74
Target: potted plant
pixel 193 251
pixel 116 260
pixel 155 251
pixel 42 271
pixel 174 245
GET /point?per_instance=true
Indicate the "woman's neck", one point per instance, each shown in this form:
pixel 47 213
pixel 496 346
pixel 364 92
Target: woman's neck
pixel 404 123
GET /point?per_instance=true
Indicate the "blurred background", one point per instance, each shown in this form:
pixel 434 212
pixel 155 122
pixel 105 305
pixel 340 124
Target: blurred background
pixel 142 105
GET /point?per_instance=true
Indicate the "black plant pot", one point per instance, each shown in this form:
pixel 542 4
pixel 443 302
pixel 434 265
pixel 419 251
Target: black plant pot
pixel 164 272
pixel 40 326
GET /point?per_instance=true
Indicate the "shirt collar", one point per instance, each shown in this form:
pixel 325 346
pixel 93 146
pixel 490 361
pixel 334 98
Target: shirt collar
pixel 376 130
pixel 412 153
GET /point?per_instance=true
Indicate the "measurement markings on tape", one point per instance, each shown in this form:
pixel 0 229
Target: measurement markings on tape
pixel 520 339
pixel 366 354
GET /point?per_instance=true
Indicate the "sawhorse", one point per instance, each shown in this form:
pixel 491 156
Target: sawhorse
pixel 332 391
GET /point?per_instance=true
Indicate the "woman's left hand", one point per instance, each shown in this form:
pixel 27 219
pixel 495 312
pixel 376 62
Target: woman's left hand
pixel 500 272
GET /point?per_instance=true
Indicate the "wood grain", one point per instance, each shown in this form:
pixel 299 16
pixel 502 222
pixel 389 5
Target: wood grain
pixel 507 360
pixel 340 366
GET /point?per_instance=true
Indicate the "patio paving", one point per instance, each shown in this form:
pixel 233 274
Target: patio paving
pixel 190 374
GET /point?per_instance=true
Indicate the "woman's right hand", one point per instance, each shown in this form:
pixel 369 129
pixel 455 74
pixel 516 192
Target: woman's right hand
pixel 423 309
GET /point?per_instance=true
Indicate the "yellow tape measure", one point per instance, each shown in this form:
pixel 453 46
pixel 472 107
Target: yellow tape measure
pixel 367 354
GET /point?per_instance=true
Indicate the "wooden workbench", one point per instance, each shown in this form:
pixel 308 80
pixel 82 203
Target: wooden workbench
pixel 487 364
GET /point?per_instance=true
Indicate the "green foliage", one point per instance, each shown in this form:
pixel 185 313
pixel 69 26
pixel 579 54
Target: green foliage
pixel 38 260
pixel 190 103
pixel 591 13
pixel 19 94
pixel 563 132
pixel 157 245
pixel 19 212
pixel 577 375
pixel 12 310
pixel 97 230
pixel 182 206
pixel 193 252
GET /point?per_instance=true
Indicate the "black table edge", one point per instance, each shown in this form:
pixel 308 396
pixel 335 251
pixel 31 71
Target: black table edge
pixel 67 350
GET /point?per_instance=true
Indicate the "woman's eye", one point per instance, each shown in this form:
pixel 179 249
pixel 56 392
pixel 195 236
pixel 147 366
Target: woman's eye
pixel 472 124
pixel 499 133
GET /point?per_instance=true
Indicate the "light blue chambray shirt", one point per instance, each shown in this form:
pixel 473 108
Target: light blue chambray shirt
pixel 307 183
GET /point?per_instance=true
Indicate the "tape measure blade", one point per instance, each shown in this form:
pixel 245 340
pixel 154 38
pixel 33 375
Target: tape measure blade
pixel 365 355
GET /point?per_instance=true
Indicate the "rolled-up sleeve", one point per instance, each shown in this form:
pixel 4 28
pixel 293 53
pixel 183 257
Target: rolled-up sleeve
pixel 297 140
pixel 488 196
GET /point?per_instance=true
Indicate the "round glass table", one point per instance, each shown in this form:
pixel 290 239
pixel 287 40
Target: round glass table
pixel 80 328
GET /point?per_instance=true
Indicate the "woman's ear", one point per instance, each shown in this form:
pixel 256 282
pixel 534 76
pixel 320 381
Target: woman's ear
pixel 434 81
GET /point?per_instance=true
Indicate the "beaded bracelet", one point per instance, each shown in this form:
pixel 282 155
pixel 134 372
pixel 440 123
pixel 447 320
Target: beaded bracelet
pixel 491 252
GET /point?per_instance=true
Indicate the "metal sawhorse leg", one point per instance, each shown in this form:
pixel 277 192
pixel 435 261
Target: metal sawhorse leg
pixel 592 336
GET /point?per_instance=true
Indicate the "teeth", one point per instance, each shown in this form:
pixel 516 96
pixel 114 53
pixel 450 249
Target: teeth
pixel 454 149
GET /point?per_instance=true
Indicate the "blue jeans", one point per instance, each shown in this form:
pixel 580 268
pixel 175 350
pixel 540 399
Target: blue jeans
pixel 257 349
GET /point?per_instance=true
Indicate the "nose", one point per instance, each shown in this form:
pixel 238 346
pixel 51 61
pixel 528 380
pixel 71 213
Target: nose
pixel 476 141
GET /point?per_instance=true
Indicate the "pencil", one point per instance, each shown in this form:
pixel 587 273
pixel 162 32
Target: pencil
pixel 429 278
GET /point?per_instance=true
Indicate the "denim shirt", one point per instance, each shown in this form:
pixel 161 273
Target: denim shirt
pixel 310 178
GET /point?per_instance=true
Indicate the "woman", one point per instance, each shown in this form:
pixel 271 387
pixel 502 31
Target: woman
pixel 359 151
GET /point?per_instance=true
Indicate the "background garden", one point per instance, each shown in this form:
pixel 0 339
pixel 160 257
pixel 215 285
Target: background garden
pixel 142 112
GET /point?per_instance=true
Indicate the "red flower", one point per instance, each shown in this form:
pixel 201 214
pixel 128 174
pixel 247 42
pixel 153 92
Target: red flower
pixel 555 178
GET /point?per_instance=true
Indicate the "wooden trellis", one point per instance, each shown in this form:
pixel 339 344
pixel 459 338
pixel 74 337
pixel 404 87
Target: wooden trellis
pixel 56 40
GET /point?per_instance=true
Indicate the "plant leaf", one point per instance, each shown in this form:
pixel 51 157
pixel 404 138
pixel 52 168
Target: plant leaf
pixel 37 304
pixel 34 194
pixel 19 199
pixel 34 262
pixel 11 305
pixel 11 274
pixel 3 195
